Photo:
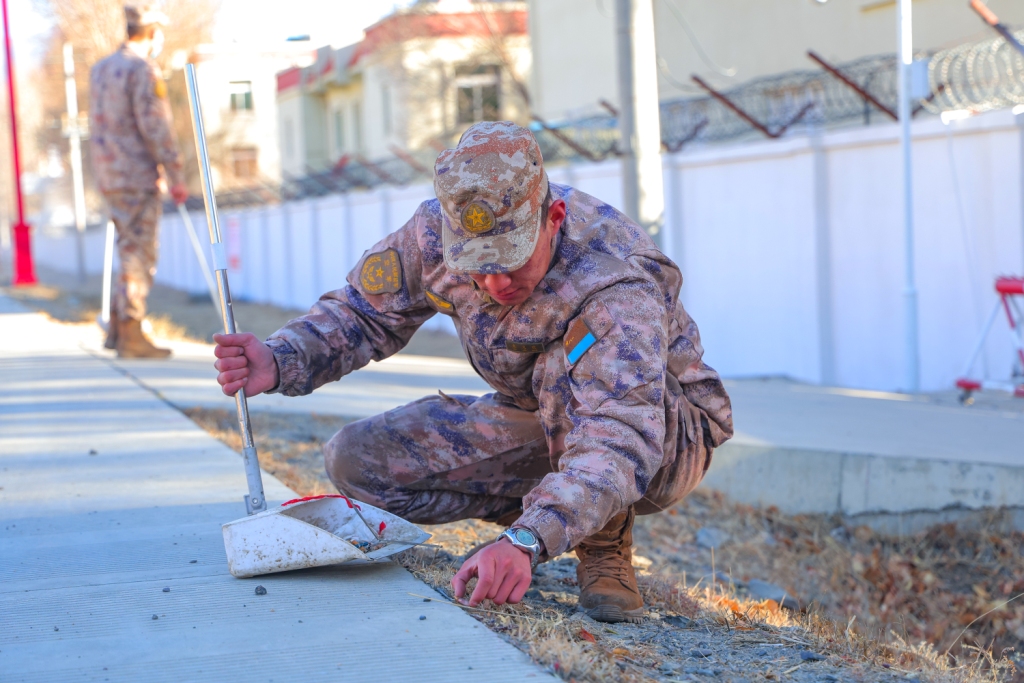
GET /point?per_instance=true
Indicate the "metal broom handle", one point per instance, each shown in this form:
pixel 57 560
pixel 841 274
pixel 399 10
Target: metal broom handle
pixel 254 501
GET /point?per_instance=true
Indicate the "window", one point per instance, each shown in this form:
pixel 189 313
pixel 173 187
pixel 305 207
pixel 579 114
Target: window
pixel 339 131
pixel 241 95
pixel 385 105
pixel 244 163
pixel 477 93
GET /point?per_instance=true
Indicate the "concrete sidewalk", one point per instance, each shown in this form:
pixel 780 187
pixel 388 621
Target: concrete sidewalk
pixel 802 448
pixel 112 565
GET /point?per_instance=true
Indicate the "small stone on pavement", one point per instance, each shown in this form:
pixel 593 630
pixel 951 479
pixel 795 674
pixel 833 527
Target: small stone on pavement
pixel 423 617
pixel 260 590
pixel 155 617
pixel 167 589
pixel 701 652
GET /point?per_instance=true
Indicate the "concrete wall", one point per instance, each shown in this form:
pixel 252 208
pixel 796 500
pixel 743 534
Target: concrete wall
pixel 791 249
pixel 574 41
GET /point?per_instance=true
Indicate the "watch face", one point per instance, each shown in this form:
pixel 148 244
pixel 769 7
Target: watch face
pixel 525 536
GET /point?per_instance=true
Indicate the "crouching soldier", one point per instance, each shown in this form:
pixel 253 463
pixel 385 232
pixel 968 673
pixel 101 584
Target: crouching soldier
pixel 602 407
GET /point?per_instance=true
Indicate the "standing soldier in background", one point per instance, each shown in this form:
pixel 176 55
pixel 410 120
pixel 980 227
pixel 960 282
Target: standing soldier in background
pixel 130 124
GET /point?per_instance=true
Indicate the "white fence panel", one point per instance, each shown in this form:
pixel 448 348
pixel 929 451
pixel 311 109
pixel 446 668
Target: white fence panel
pixel 792 250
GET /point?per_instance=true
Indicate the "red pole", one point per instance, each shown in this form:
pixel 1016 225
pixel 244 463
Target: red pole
pixel 24 272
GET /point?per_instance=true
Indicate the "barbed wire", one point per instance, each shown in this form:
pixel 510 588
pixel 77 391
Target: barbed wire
pixel 978 77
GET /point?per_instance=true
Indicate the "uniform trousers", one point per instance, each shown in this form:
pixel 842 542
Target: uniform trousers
pixel 446 458
pixel 136 217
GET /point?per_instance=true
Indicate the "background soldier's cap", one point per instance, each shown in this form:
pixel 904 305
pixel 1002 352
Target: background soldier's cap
pixel 492 189
pixel 142 15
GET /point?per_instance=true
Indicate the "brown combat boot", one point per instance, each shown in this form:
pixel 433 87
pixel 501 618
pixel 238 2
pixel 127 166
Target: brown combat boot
pixel 608 590
pixel 132 343
pixel 111 342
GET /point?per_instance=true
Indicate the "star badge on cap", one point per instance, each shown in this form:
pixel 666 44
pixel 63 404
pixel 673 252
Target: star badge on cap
pixel 477 218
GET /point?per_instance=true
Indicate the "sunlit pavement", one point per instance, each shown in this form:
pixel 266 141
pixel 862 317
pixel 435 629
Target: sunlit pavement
pixel 112 566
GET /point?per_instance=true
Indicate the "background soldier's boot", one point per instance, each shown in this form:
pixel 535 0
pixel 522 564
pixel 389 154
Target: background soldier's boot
pixel 608 590
pixel 111 342
pixel 132 343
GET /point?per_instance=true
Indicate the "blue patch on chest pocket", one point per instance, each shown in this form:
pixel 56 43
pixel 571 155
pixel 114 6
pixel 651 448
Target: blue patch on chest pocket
pixel 581 347
pixel 585 331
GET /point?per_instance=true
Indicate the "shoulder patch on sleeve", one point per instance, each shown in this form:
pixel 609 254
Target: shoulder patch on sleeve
pixel 160 88
pixel 585 331
pixel 381 272
pixel 443 305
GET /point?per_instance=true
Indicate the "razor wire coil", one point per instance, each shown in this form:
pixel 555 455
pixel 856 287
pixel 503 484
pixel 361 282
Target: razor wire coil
pixel 978 77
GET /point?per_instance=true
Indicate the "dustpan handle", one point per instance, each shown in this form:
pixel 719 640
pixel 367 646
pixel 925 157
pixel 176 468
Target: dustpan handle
pixel 255 501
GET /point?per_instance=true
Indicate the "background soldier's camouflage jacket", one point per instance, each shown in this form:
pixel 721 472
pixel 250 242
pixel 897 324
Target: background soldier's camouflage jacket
pixel 130 124
pixel 604 412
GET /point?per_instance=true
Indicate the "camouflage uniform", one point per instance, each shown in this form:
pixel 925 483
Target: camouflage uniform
pixel 573 436
pixel 130 130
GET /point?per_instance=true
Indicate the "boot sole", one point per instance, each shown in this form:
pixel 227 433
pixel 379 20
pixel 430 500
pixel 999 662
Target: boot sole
pixel 613 614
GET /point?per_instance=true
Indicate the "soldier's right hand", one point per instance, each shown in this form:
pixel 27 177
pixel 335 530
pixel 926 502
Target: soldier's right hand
pixel 244 361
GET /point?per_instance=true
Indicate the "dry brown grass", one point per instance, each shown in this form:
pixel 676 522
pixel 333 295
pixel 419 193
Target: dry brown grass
pixel 855 587
pixel 547 634
pixel 930 587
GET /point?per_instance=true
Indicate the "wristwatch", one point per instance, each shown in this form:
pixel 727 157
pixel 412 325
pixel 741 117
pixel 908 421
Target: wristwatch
pixel 525 540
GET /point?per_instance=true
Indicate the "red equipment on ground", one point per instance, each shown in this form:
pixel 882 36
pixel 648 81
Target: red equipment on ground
pixel 1007 288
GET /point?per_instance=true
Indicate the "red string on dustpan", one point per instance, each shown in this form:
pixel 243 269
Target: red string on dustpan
pixel 326 495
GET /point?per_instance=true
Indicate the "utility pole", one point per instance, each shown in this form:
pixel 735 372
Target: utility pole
pixel 905 62
pixel 643 191
pixel 73 131
pixel 24 272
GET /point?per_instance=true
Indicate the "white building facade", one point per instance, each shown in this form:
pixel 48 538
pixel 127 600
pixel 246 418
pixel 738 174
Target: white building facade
pixel 728 42
pixel 417 80
pixel 238 87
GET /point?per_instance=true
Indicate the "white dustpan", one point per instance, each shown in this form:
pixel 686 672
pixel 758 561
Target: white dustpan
pixel 306 532
pixel 314 532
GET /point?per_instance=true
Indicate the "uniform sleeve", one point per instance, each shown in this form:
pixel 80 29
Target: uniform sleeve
pixel 153 118
pixel 373 317
pixel 615 402
pixel 700 383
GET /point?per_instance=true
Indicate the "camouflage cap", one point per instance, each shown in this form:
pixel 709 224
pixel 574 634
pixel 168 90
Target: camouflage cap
pixel 139 16
pixel 492 189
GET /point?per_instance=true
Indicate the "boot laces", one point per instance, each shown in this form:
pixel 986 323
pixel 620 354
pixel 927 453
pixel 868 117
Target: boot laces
pixel 606 564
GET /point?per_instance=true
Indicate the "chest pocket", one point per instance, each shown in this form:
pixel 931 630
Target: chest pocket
pixel 585 331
